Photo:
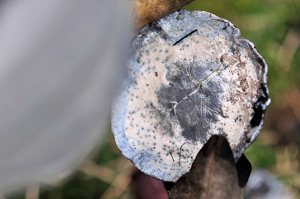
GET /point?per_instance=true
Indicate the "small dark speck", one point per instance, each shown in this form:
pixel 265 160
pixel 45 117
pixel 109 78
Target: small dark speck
pixel 156 74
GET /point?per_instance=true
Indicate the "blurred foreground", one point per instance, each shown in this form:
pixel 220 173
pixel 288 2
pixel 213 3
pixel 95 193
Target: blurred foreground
pixel 274 27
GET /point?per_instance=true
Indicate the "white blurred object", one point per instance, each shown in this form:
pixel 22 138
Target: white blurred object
pixel 263 185
pixel 59 62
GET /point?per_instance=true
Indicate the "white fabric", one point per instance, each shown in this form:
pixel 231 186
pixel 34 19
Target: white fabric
pixel 59 62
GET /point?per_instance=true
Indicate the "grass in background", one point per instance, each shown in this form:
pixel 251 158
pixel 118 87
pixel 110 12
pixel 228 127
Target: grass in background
pixel 274 27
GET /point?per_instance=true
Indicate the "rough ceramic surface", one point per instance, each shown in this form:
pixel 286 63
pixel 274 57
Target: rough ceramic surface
pixel 191 75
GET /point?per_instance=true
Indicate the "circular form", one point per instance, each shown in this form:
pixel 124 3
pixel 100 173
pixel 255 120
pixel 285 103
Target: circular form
pixel 191 76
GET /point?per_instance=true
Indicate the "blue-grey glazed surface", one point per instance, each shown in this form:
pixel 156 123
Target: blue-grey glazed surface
pixel 190 76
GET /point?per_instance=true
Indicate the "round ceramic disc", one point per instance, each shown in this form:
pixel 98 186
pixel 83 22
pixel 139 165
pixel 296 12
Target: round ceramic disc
pixel 191 76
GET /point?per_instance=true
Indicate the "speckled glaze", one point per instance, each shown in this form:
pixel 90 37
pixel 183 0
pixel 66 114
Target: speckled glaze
pixel 190 76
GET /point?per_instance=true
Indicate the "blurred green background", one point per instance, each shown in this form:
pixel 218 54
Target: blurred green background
pixel 274 27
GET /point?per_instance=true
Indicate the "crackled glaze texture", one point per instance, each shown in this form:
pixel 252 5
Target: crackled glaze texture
pixel 191 75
